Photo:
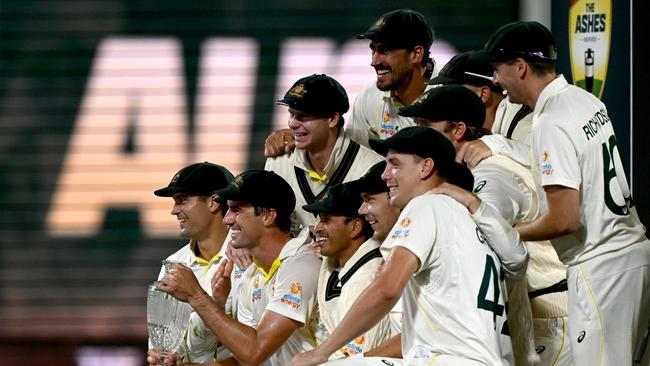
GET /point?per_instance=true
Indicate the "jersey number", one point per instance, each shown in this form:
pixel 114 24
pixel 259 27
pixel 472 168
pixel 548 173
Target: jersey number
pixel 610 173
pixel 490 274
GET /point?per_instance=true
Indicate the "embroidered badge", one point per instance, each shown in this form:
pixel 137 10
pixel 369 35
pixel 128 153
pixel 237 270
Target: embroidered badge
pixel 256 294
pixel 405 222
pixel 298 91
pixel 547 167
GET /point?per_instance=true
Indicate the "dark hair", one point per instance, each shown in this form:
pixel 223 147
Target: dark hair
pixel 282 221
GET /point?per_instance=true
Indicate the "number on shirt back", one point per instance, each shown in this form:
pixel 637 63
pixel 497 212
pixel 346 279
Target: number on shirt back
pixel 487 300
pixel 609 168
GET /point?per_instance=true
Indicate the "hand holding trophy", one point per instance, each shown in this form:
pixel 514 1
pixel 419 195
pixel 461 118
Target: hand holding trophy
pixel 167 318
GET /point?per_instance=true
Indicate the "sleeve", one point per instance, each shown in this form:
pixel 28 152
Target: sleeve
pixel 503 239
pixel 378 333
pixel 415 230
pixel 294 294
pixel 359 125
pixel 556 156
pixel 500 188
pixel 516 150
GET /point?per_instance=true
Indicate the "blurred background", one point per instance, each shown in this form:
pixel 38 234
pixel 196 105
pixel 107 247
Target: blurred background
pixel 102 101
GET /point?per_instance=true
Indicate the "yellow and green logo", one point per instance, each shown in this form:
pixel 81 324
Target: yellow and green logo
pixel 590 30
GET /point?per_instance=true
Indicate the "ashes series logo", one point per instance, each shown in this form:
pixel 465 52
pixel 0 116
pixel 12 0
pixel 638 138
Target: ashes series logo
pixel 590 29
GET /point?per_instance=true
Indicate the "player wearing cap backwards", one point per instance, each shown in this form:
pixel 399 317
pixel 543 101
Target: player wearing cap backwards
pixel 274 301
pixel 400 43
pixel 350 259
pixel 324 154
pixel 591 220
pixel 510 188
pixel 453 298
pixel 200 214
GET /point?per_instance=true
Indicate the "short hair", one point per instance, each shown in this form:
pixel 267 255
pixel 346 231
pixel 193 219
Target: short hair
pixel 283 221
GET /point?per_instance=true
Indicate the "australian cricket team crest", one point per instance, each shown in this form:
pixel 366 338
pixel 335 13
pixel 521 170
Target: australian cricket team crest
pixel 590 34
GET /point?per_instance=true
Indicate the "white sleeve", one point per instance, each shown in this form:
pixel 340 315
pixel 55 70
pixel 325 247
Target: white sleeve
pixel 295 289
pixel 415 230
pixel 516 150
pixel 557 157
pixel 500 188
pixel 359 126
pixel 503 239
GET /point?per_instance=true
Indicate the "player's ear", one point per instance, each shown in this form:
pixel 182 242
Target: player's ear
pixel 426 169
pixel 459 131
pixel 357 227
pixel 268 216
pixel 333 119
pixel 417 54
pixel 213 205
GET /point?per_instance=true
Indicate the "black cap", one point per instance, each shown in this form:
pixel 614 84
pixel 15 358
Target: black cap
pixel 448 103
pixel 461 69
pixel 528 40
pixel 261 188
pixel 427 143
pixel 401 28
pixel 340 200
pixel 318 94
pixel 200 178
pixel 371 182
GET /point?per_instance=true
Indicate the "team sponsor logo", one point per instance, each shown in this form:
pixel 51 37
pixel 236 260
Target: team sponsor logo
pixel 387 128
pixel 590 25
pixel 256 294
pixel 294 299
pixel 400 234
pixel 547 167
pixel 356 346
pixel 480 186
pixel 238 273
pixel 581 336
pixel 386 362
pixel 405 222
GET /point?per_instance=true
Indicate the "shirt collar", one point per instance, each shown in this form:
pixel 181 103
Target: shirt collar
pixel 554 87
pixel 366 247
pixel 299 157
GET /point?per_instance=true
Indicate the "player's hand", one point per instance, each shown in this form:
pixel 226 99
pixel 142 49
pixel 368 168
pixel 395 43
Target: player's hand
pixel 221 284
pixel 155 358
pixel 180 283
pixel 312 357
pixel 241 257
pixel 472 153
pixel 465 198
pixel 278 143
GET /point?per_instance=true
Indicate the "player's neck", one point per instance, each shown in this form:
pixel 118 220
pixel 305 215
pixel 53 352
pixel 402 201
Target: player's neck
pixel 412 91
pixel 537 85
pixel 269 248
pixel 319 157
pixel 210 244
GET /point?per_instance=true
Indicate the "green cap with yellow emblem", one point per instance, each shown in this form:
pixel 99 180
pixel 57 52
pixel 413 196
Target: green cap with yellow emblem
pixel 199 178
pixel 318 94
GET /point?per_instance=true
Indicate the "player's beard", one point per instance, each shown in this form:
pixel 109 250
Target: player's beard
pixel 400 77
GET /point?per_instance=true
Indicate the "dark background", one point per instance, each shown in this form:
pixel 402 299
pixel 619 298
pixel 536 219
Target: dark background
pixel 62 293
